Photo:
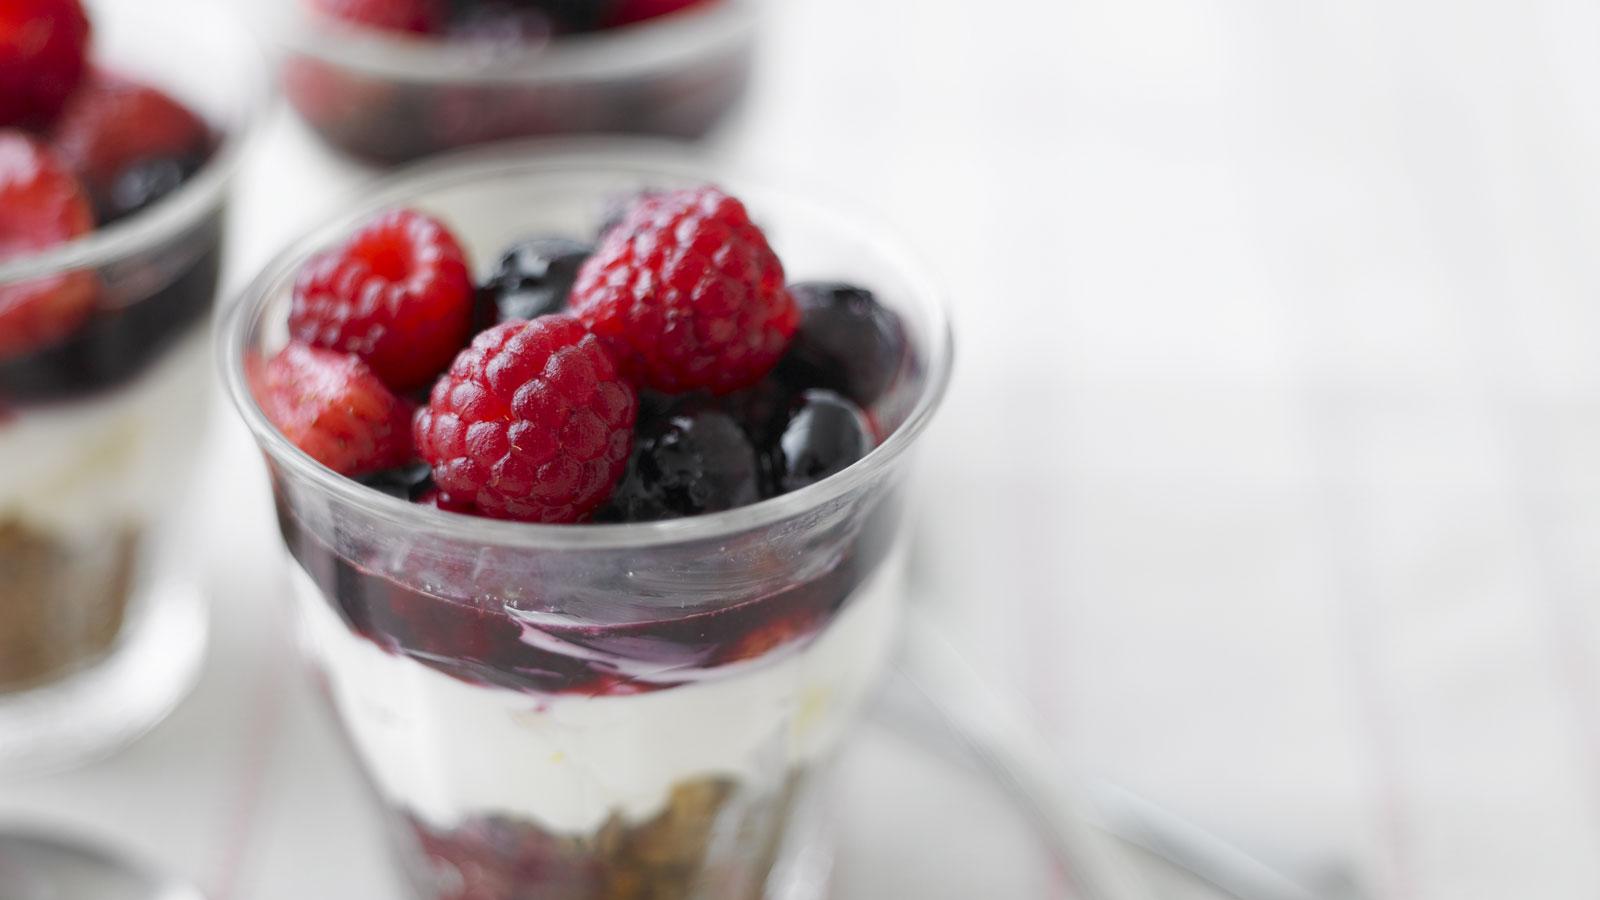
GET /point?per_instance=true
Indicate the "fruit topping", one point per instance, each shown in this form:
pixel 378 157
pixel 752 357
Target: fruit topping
pixel 41 205
pixel 532 422
pixel 333 407
pixel 627 12
pixel 825 435
pixel 687 294
pixel 535 277
pixel 693 461
pixel 847 342
pixel 413 16
pixel 43 44
pixel 130 143
pixel 397 294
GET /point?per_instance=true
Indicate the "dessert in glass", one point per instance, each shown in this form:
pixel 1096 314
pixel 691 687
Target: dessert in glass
pixel 113 175
pixel 592 495
pixel 393 80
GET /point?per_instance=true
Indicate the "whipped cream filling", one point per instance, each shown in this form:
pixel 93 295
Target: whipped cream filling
pixel 446 750
pixel 70 469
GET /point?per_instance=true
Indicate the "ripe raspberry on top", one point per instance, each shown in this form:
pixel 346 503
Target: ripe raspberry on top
pixel 687 294
pixel 114 125
pixel 532 422
pixel 41 205
pixel 43 44
pixel 397 294
pixel 331 406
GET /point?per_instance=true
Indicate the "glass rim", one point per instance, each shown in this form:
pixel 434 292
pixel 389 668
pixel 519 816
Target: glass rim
pixel 240 318
pixel 197 197
pixel 641 47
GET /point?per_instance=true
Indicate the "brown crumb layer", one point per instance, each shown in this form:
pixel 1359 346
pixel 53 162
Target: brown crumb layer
pixel 710 843
pixel 61 606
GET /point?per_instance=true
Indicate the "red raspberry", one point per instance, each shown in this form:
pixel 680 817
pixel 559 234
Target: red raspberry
pixel 627 12
pixel 414 16
pixel 687 294
pixel 41 205
pixel 331 406
pixel 113 123
pixel 532 422
pixel 42 49
pixel 397 294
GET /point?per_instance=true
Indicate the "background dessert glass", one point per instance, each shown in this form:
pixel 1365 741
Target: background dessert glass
pixel 596 711
pixel 389 98
pixel 99 635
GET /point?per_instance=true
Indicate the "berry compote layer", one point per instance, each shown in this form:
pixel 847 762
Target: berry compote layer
pixel 452 74
pixel 628 718
pixel 101 367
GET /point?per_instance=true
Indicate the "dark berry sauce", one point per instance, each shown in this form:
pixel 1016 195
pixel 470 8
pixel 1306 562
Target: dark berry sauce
pixel 117 345
pixel 492 645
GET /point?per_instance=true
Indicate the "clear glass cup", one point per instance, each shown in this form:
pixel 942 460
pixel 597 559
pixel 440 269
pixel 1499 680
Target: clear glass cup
pixel 387 98
pixel 99 635
pixel 596 711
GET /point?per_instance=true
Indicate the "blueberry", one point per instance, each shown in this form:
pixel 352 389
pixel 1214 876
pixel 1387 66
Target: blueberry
pixel 406 483
pixel 695 460
pixel 847 342
pixel 535 276
pixel 825 435
pixel 142 184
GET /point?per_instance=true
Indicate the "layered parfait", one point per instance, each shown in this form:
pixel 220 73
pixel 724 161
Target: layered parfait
pixel 391 80
pixel 101 360
pixel 604 572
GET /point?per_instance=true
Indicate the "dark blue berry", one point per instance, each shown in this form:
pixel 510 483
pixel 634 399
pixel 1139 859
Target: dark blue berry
pixel 847 342
pixel 695 460
pixel 407 483
pixel 824 436
pixel 534 277
pixel 142 184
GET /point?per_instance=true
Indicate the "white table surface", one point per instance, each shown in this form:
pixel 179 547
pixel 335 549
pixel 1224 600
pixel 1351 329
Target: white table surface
pixel 1271 473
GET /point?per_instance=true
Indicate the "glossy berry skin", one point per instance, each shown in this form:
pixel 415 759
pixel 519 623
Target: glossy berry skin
pixel 397 293
pixel 113 127
pixel 334 408
pixel 824 436
pixel 848 342
pixel 43 45
pixel 687 294
pixel 401 16
pixel 697 460
pixel 531 422
pixel 535 277
pixel 410 483
pixel 41 205
pixel 143 184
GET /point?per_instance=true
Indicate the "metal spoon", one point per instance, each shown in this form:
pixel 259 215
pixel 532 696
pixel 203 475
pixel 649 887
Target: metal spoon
pixel 36 866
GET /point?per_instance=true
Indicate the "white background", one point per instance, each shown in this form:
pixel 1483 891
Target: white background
pixel 1271 473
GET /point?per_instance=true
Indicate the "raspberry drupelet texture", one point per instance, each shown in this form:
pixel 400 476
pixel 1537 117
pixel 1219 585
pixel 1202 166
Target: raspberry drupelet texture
pixel 41 205
pixel 334 408
pixel 531 422
pixel 397 294
pixel 687 294
pixel 43 44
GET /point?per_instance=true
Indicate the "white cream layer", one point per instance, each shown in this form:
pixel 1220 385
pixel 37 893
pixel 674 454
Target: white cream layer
pixel 447 750
pixel 71 469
